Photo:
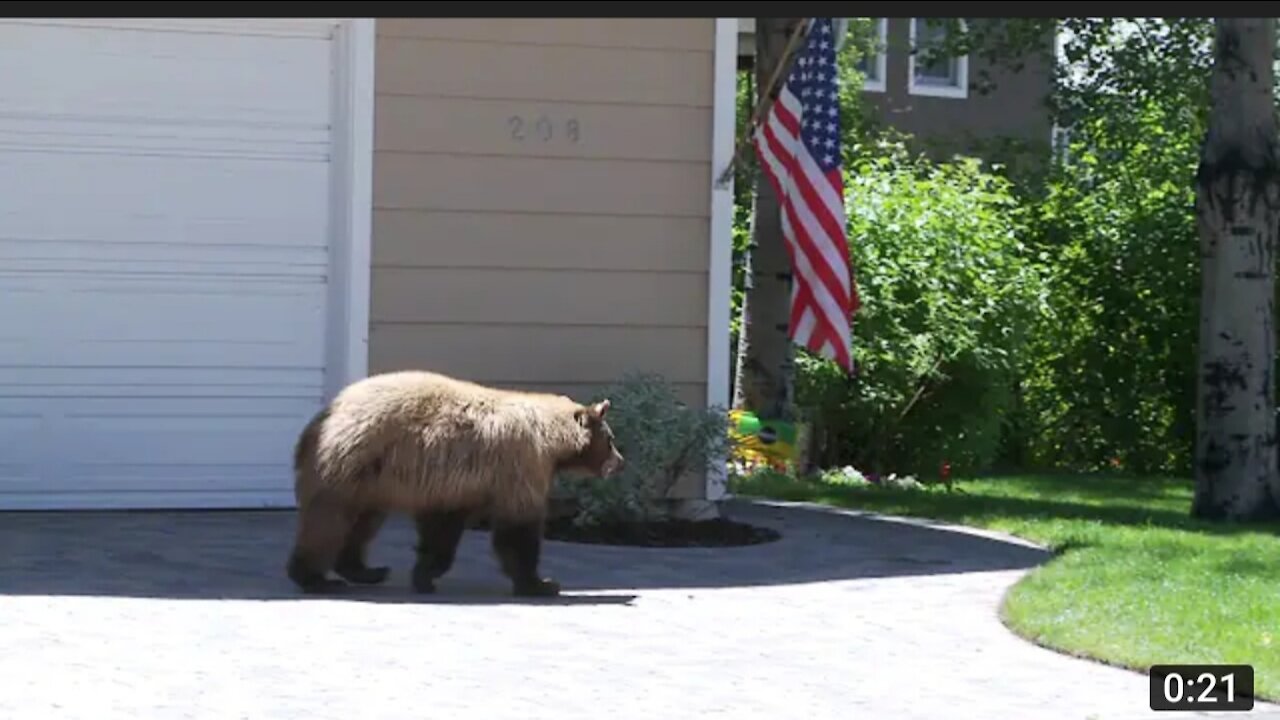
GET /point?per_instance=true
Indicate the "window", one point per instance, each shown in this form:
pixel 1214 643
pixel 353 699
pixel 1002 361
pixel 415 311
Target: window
pixel 872 64
pixel 1060 142
pixel 935 76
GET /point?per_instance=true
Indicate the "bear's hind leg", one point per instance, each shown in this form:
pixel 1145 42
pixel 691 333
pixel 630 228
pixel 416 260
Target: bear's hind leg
pixel 322 529
pixel 439 532
pixel 351 563
pixel 518 545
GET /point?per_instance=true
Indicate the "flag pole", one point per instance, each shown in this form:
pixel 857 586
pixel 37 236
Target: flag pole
pixel 766 98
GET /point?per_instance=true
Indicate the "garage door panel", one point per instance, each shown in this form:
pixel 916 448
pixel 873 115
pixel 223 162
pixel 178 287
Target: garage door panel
pixel 154 445
pixel 96 259
pixel 21 437
pixel 179 439
pixel 210 138
pixel 158 325
pixel 164 250
pixel 164 76
pixel 244 325
pixel 191 383
pixel 235 200
pixel 161 409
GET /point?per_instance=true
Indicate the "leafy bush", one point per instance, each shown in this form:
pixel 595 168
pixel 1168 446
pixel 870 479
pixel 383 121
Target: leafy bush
pixel 948 295
pixel 1113 382
pixel 661 439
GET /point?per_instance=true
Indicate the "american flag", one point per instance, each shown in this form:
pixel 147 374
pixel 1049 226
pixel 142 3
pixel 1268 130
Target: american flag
pixel 798 143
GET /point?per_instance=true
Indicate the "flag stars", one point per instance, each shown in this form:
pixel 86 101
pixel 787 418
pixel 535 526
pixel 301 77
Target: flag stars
pixel 813 85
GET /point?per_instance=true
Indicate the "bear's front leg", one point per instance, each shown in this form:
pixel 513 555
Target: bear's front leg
pixel 518 546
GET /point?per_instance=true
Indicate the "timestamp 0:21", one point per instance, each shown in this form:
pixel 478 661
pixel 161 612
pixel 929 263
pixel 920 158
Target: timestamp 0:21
pixel 1201 687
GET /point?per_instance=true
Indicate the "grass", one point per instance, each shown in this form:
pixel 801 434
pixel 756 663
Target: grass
pixel 1136 581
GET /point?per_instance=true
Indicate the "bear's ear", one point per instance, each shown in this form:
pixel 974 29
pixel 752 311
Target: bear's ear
pixel 601 407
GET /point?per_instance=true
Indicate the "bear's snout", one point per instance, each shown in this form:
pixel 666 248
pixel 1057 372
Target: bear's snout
pixel 613 465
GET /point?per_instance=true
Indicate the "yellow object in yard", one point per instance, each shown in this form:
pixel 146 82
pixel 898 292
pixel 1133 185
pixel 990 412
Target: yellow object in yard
pixel 769 442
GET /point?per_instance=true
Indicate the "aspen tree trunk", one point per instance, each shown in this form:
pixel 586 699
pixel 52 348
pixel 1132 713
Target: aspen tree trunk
pixel 1238 213
pixel 764 370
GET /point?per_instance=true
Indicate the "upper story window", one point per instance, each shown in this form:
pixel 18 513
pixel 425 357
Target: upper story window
pixel 873 63
pixel 946 77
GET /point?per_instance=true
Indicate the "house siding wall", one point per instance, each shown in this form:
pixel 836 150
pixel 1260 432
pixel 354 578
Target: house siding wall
pixel 1015 108
pixel 552 263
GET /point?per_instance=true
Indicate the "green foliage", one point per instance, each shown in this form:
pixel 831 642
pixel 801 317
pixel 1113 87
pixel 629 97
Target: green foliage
pixel 1054 328
pixel 661 439
pixel 948 294
pixel 1113 383
pixel 1110 383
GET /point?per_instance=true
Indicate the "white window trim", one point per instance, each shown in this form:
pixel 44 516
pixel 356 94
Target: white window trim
pixel 959 92
pixel 881 58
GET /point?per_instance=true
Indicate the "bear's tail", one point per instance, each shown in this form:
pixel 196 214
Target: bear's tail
pixel 304 451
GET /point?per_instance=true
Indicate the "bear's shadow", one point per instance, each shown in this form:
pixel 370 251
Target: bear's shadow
pixel 242 555
pixel 462 593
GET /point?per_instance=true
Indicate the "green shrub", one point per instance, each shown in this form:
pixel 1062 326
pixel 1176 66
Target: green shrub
pixel 948 294
pixel 1113 382
pixel 661 440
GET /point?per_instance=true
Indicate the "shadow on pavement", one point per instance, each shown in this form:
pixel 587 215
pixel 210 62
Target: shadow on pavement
pixel 240 555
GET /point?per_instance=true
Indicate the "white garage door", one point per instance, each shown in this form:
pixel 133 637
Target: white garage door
pixel 164 255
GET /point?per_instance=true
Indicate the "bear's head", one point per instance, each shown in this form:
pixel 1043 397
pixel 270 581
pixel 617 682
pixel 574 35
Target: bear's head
pixel 600 457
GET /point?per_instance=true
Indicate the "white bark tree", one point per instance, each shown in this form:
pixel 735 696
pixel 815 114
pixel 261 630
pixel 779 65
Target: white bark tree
pixel 1238 211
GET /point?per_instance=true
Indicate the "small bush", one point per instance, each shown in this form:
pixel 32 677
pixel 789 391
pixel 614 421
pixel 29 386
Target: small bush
pixel 661 439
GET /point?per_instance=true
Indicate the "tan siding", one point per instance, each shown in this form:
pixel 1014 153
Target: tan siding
pixel 693 394
pixel 635 33
pixel 407 124
pixel 547 353
pixel 542 73
pixel 545 297
pixel 543 264
pixel 511 184
pixel 443 239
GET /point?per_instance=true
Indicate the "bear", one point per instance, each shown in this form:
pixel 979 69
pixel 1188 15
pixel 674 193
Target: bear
pixel 444 451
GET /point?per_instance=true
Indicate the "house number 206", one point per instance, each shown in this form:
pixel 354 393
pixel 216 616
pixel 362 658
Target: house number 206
pixel 543 128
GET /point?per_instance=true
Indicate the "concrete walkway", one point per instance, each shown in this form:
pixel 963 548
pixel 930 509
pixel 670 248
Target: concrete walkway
pixel 188 615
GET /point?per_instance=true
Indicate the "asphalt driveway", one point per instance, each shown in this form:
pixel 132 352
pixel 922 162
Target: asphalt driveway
pixel 189 615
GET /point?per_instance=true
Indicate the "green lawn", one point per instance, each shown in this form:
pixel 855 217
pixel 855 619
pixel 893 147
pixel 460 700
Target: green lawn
pixel 1136 581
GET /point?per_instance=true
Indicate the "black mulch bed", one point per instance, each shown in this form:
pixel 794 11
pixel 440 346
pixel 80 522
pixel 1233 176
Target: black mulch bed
pixel 719 532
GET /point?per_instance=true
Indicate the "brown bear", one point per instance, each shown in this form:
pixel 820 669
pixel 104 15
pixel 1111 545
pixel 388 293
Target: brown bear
pixel 444 451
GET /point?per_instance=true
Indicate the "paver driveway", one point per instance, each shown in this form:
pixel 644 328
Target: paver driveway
pixel 188 615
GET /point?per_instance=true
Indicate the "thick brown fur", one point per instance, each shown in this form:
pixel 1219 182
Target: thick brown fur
pixel 442 450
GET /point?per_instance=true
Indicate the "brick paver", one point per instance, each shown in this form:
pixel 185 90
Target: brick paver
pixel 189 615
